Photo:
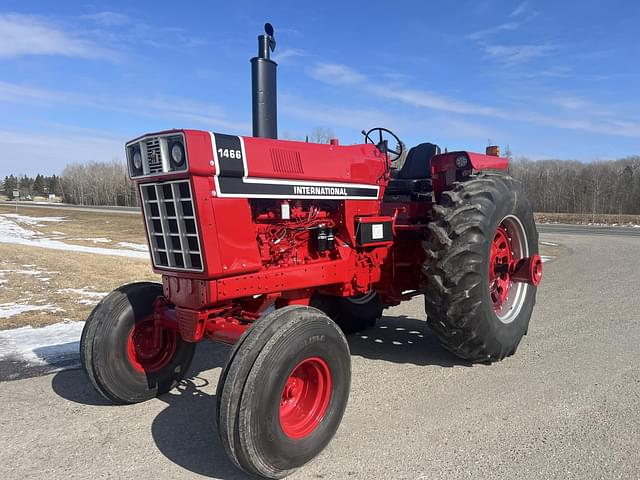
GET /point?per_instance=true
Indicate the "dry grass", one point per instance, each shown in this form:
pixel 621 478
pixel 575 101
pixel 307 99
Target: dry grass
pixel 40 276
pixel 78 226
pixel 59 274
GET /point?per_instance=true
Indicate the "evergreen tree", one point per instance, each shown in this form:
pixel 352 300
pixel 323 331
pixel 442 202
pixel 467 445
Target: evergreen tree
pixel 25 185
pixel 10 184
pixel 39 185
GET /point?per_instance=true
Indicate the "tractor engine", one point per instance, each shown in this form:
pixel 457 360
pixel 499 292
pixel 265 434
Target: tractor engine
pixel 295 233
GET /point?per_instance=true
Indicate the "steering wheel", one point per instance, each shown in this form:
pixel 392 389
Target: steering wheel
pixel 383 143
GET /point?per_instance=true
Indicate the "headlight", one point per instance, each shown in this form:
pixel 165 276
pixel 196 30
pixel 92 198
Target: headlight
pixel 462 161
pixel 137 160
pixel 176 151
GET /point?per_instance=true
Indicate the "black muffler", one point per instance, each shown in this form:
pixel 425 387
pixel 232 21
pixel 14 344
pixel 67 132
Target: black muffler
pixel 263 87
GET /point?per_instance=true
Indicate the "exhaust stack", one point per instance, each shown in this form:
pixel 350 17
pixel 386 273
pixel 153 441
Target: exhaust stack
pixel 263 87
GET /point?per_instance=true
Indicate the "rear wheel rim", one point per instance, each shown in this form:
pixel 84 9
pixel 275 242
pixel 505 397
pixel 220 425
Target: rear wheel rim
pixel 362 299
pixel 305 398
pixel 509 244
pixel 144 354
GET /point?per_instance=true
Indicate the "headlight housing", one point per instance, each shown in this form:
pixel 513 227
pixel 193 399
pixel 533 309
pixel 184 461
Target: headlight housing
pixel 462 161
pixel 176 153
pixel 157 154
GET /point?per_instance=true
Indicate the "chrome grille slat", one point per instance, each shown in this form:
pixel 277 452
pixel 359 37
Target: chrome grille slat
pixel 173 236
pixel 154 155
pixel 165 225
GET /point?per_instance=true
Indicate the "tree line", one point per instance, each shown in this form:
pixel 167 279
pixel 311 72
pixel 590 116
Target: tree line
pixel 41 185
pixel 554 186
pixel 599 187
pixel 92 183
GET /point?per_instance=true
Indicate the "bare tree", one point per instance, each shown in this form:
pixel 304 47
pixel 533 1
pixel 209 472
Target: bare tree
pixel 321 135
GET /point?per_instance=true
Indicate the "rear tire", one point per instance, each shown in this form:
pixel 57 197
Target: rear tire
pixel 352 314
pixel 476 314
pixel 120 371
pixel 284 391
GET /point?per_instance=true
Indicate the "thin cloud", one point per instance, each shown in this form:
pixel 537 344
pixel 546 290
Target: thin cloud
pixel 425 99
pixel 288 53
pixel 335 74
pixel 520 9
pixel 518 54
pixel 487 32
pixel 108 19
pixel 596 121
pixel 357 118
pixel 169 108
pixel 24 35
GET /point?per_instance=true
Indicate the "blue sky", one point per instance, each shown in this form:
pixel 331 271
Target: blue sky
pixel 551 79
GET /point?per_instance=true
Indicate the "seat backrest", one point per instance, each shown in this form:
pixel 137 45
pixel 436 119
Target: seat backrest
pixel 418 162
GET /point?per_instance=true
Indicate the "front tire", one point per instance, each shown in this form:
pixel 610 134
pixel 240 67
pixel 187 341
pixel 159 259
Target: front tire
pixel 284 391
pixel 118 355
pixel 476 313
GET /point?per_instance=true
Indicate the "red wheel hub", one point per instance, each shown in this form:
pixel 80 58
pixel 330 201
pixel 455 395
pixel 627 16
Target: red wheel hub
pixel 499 266
pixel 305 397
pixel 150 348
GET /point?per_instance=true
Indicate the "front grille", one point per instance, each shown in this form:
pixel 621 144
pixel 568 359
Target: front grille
pixel 171 225
pixel 154 155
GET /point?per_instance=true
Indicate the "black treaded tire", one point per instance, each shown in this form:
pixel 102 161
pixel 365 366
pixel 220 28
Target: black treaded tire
pixel 352 314
pixel 252 384
pixel 104 343
pixel 458 302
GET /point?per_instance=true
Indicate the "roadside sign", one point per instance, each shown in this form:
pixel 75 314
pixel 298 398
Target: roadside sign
pixel 16 193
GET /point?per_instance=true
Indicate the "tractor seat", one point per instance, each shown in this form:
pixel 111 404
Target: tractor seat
pixel 415 174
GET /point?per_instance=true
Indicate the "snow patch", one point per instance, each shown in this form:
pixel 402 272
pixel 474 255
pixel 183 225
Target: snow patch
pixel 35 221
pixel 99 240
pixel 12 233
pixel 139 247
pixel 87 297
pixel 34 273
pixel 8 310
pixel 57 344
pixel 83 291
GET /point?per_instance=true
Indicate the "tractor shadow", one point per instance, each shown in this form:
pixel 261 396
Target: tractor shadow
pixel 401 339
pixel 185 430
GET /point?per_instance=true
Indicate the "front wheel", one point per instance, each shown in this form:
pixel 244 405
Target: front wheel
pixel 283 392
pixel 473 305
pixel 119 352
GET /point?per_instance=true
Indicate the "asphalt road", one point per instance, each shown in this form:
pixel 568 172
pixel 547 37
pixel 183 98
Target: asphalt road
pixel 566 406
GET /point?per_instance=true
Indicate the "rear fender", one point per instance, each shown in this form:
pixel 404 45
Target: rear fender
pixel 445 171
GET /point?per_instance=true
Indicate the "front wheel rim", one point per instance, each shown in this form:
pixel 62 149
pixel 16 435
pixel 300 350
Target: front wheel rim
pixel 305 398
pixel 509 244
pixel 147 355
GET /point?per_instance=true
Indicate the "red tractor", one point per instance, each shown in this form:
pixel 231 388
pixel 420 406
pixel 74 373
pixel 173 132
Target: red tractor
pixel 280 248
